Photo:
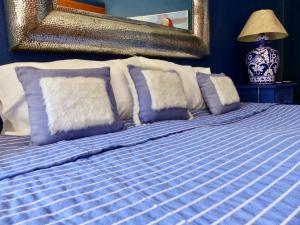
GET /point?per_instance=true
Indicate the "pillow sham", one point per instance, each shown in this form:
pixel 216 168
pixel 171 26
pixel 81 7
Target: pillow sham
pixel 219 93
pixel 68 104
pixel 157 95
pixel 186 73
pixel 14 106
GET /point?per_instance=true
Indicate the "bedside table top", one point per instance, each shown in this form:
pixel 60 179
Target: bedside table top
pixel 276 85
pixel 282 93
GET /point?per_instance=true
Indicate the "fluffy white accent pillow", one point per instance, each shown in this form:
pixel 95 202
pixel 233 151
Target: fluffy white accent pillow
pixel 165 89
pixel 14 106
pixel 158 95
pixel 224 87
pixel 86 108
pixel 219 93
pixel 186 73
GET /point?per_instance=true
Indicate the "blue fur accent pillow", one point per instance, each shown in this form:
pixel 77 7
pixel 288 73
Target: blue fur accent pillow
pixel 68 104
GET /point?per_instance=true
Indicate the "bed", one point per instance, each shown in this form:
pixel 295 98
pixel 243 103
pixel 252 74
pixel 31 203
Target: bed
pixel 242 167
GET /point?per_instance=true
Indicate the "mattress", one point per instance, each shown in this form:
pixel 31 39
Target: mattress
pixel 242 167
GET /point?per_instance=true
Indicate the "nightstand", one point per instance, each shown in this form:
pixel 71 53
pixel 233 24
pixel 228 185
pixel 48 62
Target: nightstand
pixel 282 93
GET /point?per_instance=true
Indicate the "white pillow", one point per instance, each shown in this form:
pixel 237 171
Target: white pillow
pixel 14 106
pixel 186 73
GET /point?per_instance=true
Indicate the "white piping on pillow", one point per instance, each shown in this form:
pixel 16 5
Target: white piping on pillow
pixel 76 103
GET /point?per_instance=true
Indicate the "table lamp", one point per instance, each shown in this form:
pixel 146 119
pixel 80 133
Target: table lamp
pixel 262 62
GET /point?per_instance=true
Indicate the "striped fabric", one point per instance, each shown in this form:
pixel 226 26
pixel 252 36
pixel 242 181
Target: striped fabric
pixel 238 168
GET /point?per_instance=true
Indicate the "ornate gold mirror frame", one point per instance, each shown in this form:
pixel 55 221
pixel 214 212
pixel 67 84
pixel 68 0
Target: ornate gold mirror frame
pixel 42 25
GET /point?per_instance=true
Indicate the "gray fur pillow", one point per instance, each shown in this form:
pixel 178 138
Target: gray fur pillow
pixel 219 93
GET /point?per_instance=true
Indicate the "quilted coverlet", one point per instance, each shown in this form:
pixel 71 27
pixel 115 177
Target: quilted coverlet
pixel 239 168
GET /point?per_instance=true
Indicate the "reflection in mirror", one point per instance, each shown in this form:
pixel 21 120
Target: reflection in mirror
pixel 171 13
pixel 95 6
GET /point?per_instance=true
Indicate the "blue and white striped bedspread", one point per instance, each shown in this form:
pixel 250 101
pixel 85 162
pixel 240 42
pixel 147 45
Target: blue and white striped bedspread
pixel 239 168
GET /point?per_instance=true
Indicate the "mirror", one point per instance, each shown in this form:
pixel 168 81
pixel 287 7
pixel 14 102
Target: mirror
pixel 170 13
pixel 48 25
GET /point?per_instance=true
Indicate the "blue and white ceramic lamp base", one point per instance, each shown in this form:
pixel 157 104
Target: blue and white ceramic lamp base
pixel 263 62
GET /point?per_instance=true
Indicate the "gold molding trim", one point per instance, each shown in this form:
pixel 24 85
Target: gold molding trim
pixel 41 25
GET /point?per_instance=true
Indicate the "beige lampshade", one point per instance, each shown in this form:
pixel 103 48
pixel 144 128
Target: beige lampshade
pixel 262 22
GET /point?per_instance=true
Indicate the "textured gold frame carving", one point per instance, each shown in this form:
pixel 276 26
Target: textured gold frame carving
pixel 41 25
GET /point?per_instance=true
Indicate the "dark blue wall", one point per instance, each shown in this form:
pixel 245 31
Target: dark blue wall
pixel 292 43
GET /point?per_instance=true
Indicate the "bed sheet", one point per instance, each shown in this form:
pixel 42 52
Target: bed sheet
pixel 239 168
